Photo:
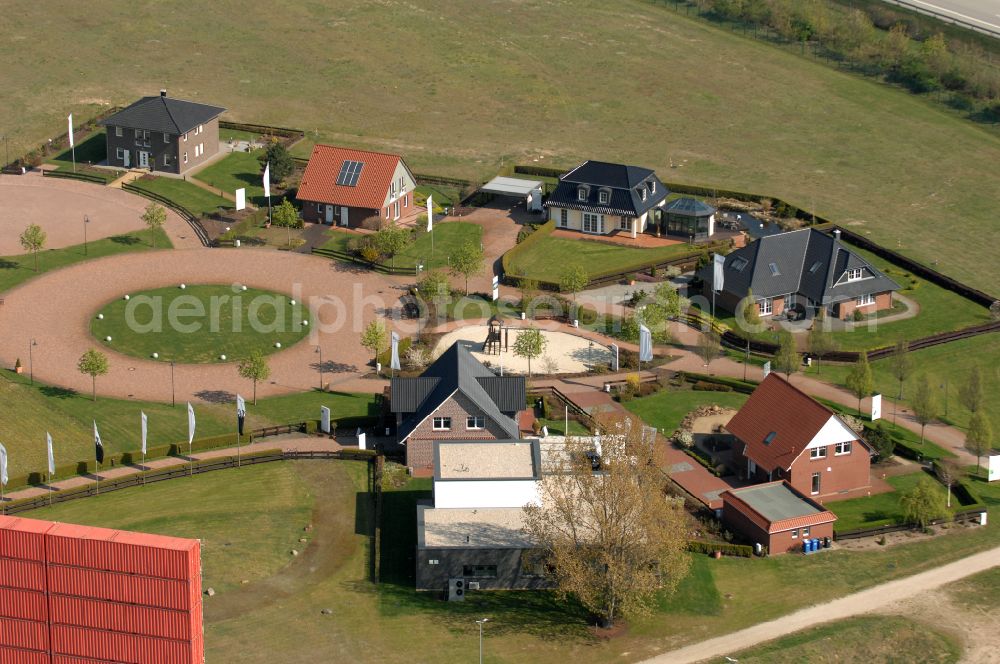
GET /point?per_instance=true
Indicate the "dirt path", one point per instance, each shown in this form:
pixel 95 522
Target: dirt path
pixel 866 601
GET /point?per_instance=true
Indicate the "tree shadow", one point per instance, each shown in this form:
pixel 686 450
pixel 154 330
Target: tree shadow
pixel 8 264
pixel 57 392
pixel 332 366
pixel 128 240
pixel 216 396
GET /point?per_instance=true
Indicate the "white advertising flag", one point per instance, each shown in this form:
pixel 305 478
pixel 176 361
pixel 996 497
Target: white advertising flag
pixel 645 344
pixel 241 199
pixel 190 423
pixel 767 368
pixel 394 362
pixel 876 407
pixel 52 459
pixel 718 277
pixel 3 465
pixel 267 180
pixel 430 214
pixel 69 121
pixel 145 430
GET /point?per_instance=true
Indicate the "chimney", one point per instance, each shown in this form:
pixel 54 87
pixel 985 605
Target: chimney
pixel 163 92
pixel 836 234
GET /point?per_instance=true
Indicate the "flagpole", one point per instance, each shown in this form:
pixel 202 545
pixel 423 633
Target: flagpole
pixel 144 469
pixel 97 478
pixel 50 488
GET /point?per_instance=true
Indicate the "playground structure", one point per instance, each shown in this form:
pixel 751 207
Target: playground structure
pixel 496 335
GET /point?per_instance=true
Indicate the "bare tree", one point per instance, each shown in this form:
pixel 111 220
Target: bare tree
pixel 821 341
pixel 924 404
pixel 900 364
pixel 979 437
pixel 709 346
pixel 859 380
pixel 971 393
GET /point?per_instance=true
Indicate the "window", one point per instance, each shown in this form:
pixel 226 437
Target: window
pixel 392 189
pixel 593 223
pixel 643 193
pixel 118 132
pixel 769 438
pixel 815 484
pixel 864 300
pixel 805 532
pixel 855 274
pixel 142 137
pixel 201 149
pixel 120 154
pixel 842 448
pixel 775 272
pixel 166 160
pixel 817 453
pixel 625 224
pixel 563 218
pixel 442 423
pixel 475 422
pixel 406 199
pixel 652 187
pixel 766 305
pixel 433 561
pixel 480 571
pixel 795 534
pixel 166 138
pixel 185 138
pixel 603 196
pixel 815 266
pixel 581 194
pixel 201 128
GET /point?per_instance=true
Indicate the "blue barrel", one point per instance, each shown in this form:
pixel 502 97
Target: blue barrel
pixel 815 544
pixel 805 546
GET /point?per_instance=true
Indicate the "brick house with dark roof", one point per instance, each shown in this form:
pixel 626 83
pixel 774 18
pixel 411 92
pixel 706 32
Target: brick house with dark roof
pixel 455 398
pixel 343 186
pixel 784 434
pixel 163 134
pixel 600 198
pixel 776 516
pixel 804 268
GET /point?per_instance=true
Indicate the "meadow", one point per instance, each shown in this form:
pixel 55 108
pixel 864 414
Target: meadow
pixel 562 82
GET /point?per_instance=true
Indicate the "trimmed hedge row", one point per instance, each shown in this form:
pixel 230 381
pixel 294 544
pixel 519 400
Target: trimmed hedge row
pixel 699 456
pixel 736 385
pixel 727 549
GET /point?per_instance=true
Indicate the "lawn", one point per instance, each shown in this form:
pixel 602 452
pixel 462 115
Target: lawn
pixel 18 269
pixel 91 150
pixel 544 258
pixel 441 195
pixel 665 409
pixel 885 639
pixel 201 323
pixel 192 197
pixel 235 171
pixel 881 509
pixel 448 238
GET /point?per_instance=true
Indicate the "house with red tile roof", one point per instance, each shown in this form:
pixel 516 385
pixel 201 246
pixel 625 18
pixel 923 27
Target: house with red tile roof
pixel 343 186
pixel 776 516
pixel 784 434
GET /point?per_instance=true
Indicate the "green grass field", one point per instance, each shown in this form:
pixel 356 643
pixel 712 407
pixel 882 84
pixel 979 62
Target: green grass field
pixel 201 323
pixel 17 269
pixel 235 171
pixel 91 150
pixel 197 200
pixel 665 409
pixel 852 148
pixel 881 509
pixel 448 239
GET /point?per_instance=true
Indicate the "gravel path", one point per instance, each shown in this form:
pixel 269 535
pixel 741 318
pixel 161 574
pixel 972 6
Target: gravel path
pixel 866 601
pixel 59 205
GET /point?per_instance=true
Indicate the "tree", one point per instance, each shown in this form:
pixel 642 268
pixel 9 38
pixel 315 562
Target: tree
pixel 786 360
pixel 881 441
pixel 281 162
pixel 667 297
pixel 254 367
pixel 93 363
pixel 614 540
pixel 859 380
pixel 924 404
pixel 949 473
pixel 923 503
pixel 528 288
pixel 529 344
pixel 900 364
pixel 573 279
pixel 33 240
pixel 820 340
pixel 286 216
pixel 390 240
pixel 751 317
pixel 979 437
pixel 971 393
pixel 154 216
pixel 709 346
pixel 467 261
pixel 375 337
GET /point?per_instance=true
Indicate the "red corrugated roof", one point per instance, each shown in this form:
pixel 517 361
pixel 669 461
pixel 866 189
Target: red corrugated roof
pixel 319 182
pixel 791 415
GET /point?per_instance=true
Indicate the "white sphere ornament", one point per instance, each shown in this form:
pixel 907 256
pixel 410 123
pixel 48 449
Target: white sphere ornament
pixel 305 322
pixel 244 288
pixel 100 316
pixel 156 356
pixel 183 286
pixel 222 357
pixel 107 338
pixel 277 344
pixel 293 303
pixel 126 297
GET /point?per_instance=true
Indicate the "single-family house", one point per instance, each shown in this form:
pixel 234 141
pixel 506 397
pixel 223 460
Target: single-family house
pixel 455 398
pixel 163 134
pixel 802 270
pixel 776 516
pixel 602 199
pixel 784 434
pixel 343 186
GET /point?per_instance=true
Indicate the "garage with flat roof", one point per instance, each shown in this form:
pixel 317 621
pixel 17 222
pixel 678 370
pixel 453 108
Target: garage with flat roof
pixel 529 190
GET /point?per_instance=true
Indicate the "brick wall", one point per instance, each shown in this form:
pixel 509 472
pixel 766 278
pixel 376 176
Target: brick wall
pixel 845 310
pixel 784 543
pixel 838 474
pixel 419 446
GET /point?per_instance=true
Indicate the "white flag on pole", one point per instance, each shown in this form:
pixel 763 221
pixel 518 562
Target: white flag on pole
pixel 3 465
pixel 767 368
pixel 645 344
pixel 394 362
pixel 267 180
pixel 190 423
pixel 718 277
pixel 52 459
pixel 98 445
pixel 145 429
pixel 69 121
pixel 241 413
pixel 430 214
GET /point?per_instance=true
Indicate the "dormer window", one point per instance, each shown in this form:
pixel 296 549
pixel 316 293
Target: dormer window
pixel 775 272
pixel 603 196
pixel 855 274
pixel 581 194
pixel 642 192
pixel 652 186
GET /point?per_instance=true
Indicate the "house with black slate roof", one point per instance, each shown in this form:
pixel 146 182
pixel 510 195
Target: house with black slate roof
pixel 163 134
pixel 802 270
pixel 601 198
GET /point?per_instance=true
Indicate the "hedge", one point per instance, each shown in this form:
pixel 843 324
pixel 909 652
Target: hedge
pixel 736 385
pixel 705 386
pixel 727 549
pixel 698 456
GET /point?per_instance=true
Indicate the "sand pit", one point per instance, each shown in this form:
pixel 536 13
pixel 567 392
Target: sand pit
pixel 564 353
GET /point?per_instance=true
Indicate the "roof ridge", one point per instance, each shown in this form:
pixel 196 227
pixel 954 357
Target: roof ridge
pixel 341 147
pixel 166 107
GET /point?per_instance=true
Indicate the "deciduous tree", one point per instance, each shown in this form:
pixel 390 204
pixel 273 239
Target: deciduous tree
pixel 923 503
pixel 93 363
pixel 859 379
pixel 467 261
pixel 924 403
pixel 375 337
pixel 33 240
pixel 154 216
pixel 979 437
pixel 529 344
pixel 254 367
pixel 820 341
pixel 786 360
pixel 709 346
pixel 573 279
pixel 900 364
pixel 971 393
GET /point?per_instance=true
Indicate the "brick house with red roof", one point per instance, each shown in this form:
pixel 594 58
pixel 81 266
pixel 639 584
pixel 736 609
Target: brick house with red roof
pixel 776 516
pixel 784 434
pixel 343 186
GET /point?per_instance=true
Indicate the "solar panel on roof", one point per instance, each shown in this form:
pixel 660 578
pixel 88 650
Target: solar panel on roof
pixel 815 266
pixel 739 264
pixel 350 171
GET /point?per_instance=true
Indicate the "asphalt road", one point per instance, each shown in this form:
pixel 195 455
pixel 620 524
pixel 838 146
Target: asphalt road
pixel 984 13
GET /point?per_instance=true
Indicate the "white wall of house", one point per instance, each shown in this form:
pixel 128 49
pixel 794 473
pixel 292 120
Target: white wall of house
pixel 485 493
pixel 833 432
pixel 609 223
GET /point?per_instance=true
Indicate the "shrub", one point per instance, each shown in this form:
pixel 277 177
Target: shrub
pixel 372 223
pixel 705 386
pixel 857 316
pixel 708 548
pixel 525 231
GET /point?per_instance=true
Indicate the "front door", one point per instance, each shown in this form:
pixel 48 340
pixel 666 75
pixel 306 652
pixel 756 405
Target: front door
pixel 126 158
pixel 143 159
pixel 329 214
pixel 343 215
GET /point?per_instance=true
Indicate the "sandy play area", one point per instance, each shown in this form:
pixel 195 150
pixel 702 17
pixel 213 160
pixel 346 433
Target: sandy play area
pixel 564 353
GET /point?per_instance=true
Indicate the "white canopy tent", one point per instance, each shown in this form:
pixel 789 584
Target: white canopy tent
pixel 530 190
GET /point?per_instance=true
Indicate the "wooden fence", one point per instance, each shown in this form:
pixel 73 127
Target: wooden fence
pixel 185 214
pixel 967 516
